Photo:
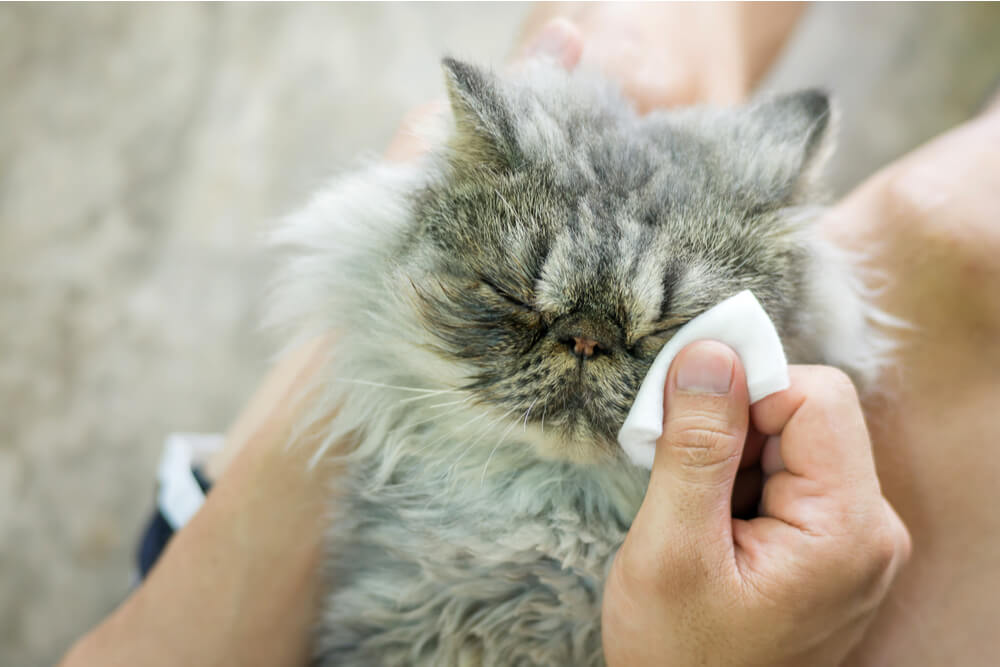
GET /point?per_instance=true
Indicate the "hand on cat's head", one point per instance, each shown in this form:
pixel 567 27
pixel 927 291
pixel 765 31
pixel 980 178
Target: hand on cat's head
pixel 674 54
pixel 649 50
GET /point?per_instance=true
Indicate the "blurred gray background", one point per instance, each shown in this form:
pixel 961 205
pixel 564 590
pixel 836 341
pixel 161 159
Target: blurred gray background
pixel 144 149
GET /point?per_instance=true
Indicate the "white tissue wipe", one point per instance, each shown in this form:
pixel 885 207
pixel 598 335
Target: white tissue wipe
pixel 741 323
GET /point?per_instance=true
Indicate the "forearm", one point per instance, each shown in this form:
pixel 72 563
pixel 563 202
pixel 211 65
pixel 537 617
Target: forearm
pixel 928 223
pixel 239 584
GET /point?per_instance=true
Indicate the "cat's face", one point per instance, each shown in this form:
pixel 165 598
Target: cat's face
pixel 572 239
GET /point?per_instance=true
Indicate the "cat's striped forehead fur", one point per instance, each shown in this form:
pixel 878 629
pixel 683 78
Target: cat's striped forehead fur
pixel 562 217
pixel 501 297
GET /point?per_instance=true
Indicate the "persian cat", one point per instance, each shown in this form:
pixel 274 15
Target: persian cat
pixel 496 305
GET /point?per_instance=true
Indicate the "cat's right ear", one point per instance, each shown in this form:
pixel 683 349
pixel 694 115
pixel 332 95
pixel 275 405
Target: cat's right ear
pixel 485 135
pixel 785 140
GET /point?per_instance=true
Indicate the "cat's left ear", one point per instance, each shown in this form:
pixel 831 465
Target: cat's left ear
pixel 484 125
pixel 787 141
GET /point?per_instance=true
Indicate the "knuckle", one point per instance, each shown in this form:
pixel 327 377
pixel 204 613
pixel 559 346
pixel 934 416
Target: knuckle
pixel 900 534
pixel 835 384
pixel 884 550
pixel 702 440
pixel 874 561
pixel 830 388
pixel 905 543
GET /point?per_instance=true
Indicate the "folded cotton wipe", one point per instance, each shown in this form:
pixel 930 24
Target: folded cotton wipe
pixel 741 323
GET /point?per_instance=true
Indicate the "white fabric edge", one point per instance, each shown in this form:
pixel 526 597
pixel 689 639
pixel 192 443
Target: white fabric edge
pixel 179 496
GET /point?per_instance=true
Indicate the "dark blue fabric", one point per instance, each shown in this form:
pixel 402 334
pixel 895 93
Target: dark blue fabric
pixel 158 532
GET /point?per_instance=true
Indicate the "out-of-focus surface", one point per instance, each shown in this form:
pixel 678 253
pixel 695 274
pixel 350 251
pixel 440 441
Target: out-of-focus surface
pixel 144 150
pixel 902 73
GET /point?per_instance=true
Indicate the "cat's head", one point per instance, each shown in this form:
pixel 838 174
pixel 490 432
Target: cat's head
pixel 570 238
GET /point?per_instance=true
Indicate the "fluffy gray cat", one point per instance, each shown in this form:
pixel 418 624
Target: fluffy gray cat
pixel 496 305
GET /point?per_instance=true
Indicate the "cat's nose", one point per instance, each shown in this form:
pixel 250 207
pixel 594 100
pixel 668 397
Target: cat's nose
pixel 586 336
pixel 583 347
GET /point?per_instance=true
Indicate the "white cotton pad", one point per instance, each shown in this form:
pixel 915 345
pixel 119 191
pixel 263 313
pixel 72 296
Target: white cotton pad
pixel 741 323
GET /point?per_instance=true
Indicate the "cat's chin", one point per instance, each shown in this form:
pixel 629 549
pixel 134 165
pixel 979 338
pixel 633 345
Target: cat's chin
pixel 572 445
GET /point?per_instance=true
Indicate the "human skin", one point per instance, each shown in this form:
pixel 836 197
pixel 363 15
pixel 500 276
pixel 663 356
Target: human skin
pixel 240 584
pixel 796 585
pixel 674 53
pixel 196 608
pixel 661 54
pixel 930 223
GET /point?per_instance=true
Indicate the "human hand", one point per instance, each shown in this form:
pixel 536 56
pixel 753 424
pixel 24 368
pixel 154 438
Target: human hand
pixel 661 55
pixel 795 586
pixel 671 54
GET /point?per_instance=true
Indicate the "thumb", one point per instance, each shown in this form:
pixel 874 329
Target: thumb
pixel 705 426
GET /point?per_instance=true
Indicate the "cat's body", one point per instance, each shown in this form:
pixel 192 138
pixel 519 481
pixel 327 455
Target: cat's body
pixel 495 307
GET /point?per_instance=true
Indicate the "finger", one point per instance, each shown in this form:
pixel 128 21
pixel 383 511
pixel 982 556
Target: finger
pixel 770 457
pixel 797 501
pixel 900 535
pixel 822 428
pixel 411 139
pixel 559 40
pixel 705 426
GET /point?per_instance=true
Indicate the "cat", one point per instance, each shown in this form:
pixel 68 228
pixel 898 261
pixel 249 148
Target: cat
pixel 496 305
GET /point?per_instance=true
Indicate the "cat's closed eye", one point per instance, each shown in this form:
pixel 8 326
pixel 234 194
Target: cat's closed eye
pixel 505 294
pixel 651 342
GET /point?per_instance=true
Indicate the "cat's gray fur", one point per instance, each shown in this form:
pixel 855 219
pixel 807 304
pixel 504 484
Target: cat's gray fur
pixel 487 494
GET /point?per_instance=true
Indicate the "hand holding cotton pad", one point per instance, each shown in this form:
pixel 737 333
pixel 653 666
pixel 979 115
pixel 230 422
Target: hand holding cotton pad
pixel 741 323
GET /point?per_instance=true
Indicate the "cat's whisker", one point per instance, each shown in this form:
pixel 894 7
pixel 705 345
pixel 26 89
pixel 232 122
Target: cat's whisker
pixel 377 318
pixel 471 421
pixel 429 446
pixel 429 395
pixel 441 405
pixel 472 445
pixel 399 387
pixel 386 259
pixel 435 417
pixel 528 412
pixel 484 431
pixel 458 429
pixel 482 479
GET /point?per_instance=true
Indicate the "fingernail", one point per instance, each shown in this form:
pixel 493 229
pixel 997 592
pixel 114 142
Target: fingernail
pixel 705 367
pixel 552 41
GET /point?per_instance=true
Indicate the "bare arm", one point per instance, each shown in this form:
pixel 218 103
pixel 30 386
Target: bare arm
pixel 239 584
pixel 931 222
